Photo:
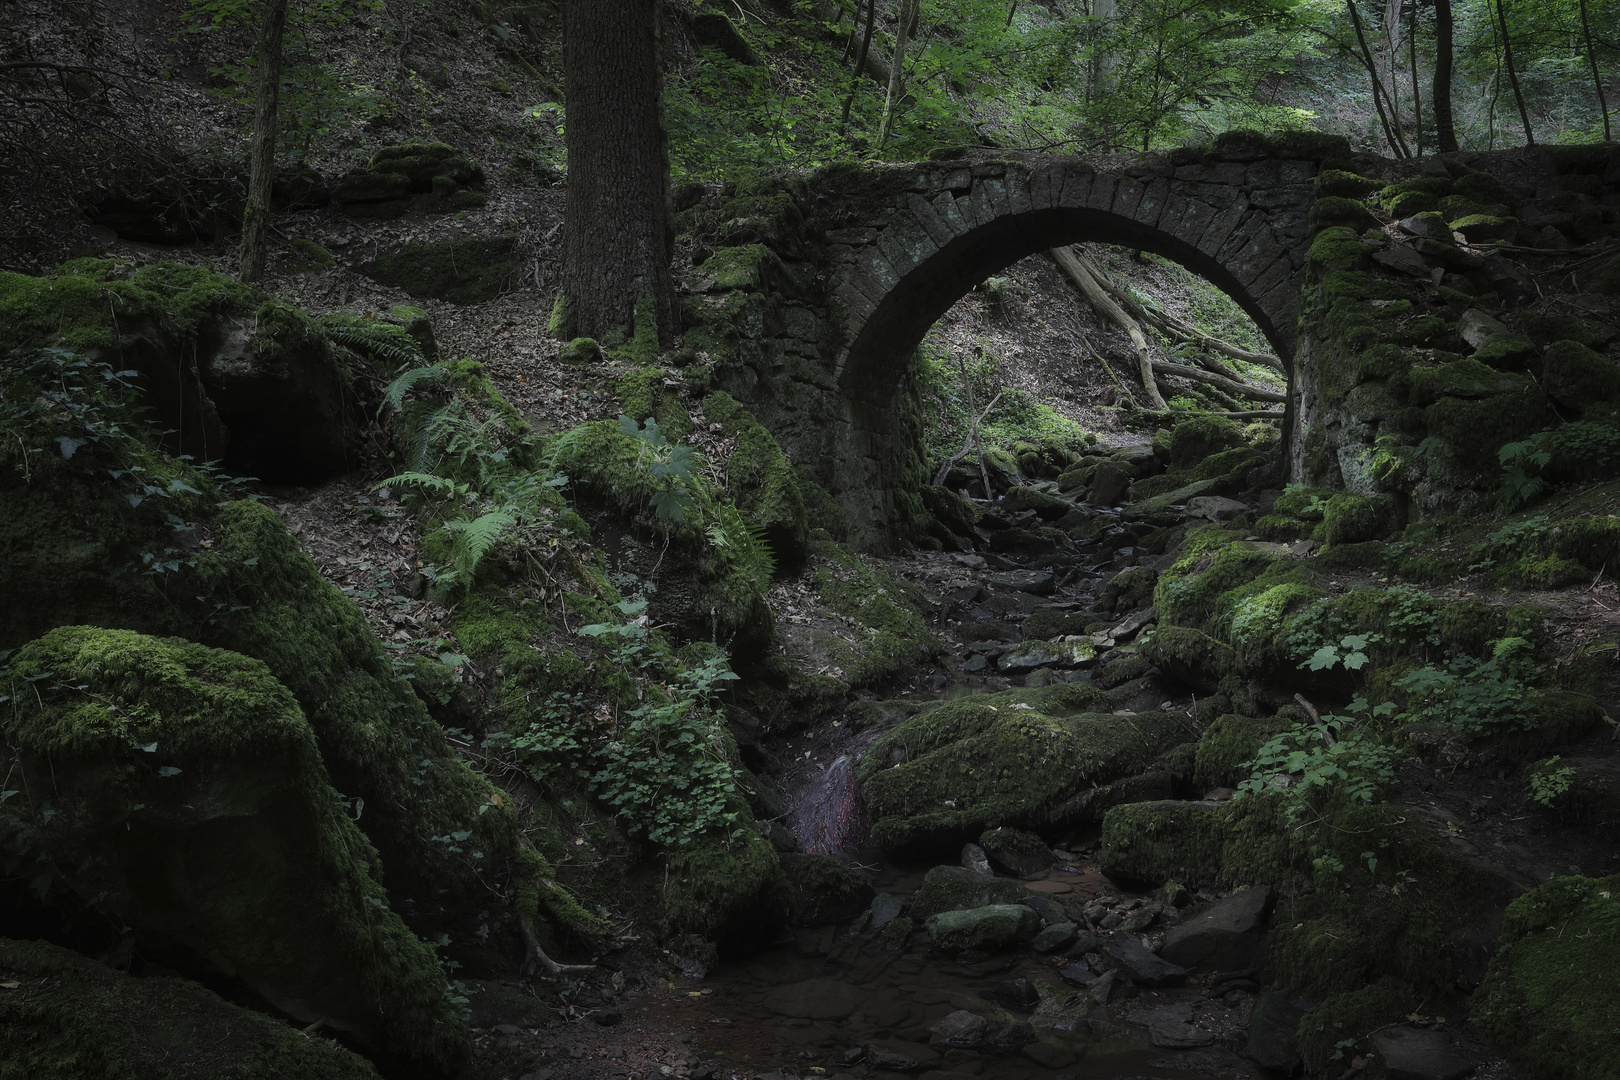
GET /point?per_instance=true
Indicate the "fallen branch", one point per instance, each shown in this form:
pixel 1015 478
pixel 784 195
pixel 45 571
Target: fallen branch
pixel 1231 414
pixel 1231 386
pixel 1071 263
pixel 536 953
pixel 972 437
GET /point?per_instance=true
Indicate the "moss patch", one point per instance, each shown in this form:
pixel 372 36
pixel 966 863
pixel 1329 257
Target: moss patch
pixel 467 270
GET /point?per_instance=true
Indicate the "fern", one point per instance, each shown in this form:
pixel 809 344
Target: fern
pixel 381 341
pixel 438 485
pixel 406 381
pixel 745 541
pixel 476 538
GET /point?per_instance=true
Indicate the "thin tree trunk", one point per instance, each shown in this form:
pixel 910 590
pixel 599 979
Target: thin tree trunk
pixel 860 62
pixel 1417 98
pixel 1445 131
pixel 255 248
pixel 1073 264
pixel 616 252
pixel 1513 75
pixel 1390 133
pixel 854 32
pixel 1597 79
pixel 908 10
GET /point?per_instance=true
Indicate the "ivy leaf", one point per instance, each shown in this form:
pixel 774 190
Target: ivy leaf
pixel 70 446
pixel 1355 661
pixel 168 770
pixel 149 748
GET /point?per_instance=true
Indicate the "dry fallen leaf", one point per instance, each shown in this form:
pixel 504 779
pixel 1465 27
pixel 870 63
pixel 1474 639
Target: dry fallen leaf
pixel 10 984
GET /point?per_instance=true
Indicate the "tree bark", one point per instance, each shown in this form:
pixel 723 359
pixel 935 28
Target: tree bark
pixel 255 248
pixel 1417 98
pixel 616 239
pixel 908 13
pixel 860 62
pixel 1391 130
pixel 1445 132
pixel 1597 79
pixel 1513 75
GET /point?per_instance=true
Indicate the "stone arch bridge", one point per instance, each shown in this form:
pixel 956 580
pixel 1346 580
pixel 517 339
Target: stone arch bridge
pixel 820 286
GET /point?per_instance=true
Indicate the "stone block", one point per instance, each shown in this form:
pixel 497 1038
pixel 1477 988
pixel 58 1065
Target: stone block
pixel 1221 227
pixel 1187 218
pixel 1045 186
pixel 945 208
pixel 1018 199
pixel 907 246
pixel 929 221
pixel 1281 195
pixel 1128 196
pixel 967 209
pixel 1149 210
pixel 1101 196
pixel 854 301
pixel 1076 189
pixel 875 265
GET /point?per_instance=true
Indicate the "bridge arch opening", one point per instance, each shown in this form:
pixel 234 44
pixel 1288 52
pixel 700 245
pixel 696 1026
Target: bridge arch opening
pixel 887 338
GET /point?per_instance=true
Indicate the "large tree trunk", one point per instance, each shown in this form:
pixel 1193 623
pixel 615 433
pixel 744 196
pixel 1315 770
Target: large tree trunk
pixel 1444 131
pixel 616 238
pixel 254 251
pixel 1513 74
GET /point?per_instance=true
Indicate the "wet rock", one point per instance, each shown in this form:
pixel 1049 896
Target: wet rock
pixel 1177 1035
pixel 1047 507
pixel 1049 1055
pixel 1014 1036
pixel 1048 909
pixel 885 909
pixel 961 1029
pixel 1215 508
pixel 1106 987
pixel 973 858
pixel 1078 974
pixel 1141 918
pixel 1023 853
pixel 900 1056
pixel 1141 965
pixel 1128 626
pixel 779 836
pixel 947 887
pixel 1273 1024
pixel 1034 582
pixel 1054 938
pixel 995 924
pixel 825 890
pixel 1069 652
pixel 1224 936
pixel 1016 994
pixel 1109 482
pixel 1477 328
pixel 1419 1054
pixel 815 999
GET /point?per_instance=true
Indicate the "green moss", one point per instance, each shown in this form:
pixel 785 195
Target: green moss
pixel 559 324
pixel 1578 377
pixel 1484 188
pixel 581 351
pixel 1474 430
pixel 1351 1016
pixel 313 253
pixel 763 481
pixel 465 270
pixel 729 891
pixel 1551 1000
pixel 891 634
pixel 74 1019
pixel 1191 441
pixel 188 795
pixel 640 390
pixel 1228 745
pixel 1482 227
pixel 1345 184
pixel 950 888
pixel 979 763
pixel 1350 519
pixel 1335 210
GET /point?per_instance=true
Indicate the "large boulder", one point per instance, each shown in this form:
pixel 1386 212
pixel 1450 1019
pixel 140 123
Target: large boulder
pixel 949 888
pixel 1225 936
pixel 1549 1001
pixel 1022 758
pixel 825 890
pixel 65 1017
pixel 178 790
pixel 976 928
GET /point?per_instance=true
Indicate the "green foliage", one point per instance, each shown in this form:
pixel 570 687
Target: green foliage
pixel 1337 756
pixel 387 343
pixel 670 467
pixel 1477 698
pixel 1548 783
pixel 665 764
pixel 1350 651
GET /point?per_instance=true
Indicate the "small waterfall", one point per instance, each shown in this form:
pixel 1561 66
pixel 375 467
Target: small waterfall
pixel 826 812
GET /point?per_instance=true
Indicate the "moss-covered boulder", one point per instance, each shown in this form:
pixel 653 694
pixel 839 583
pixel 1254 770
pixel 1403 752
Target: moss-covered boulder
pixel 707 590
pixel 65 1017
pixel 227 374
pixel 426 176
pixel 728 890
pixel 1191 441
pixel 951 888
pixel 1577 377
pixel 179 790
pixel 1228 745
pixel 762 480
pixel 825 890
pixel 465 270
pixel 1551 1001
pixel 1029 759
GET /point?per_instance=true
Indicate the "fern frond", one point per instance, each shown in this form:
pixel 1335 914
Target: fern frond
pixel 476 538
pixel 566 447
pixel 438 485
pixel 430 431
pixel 406 381
pixel 380 341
